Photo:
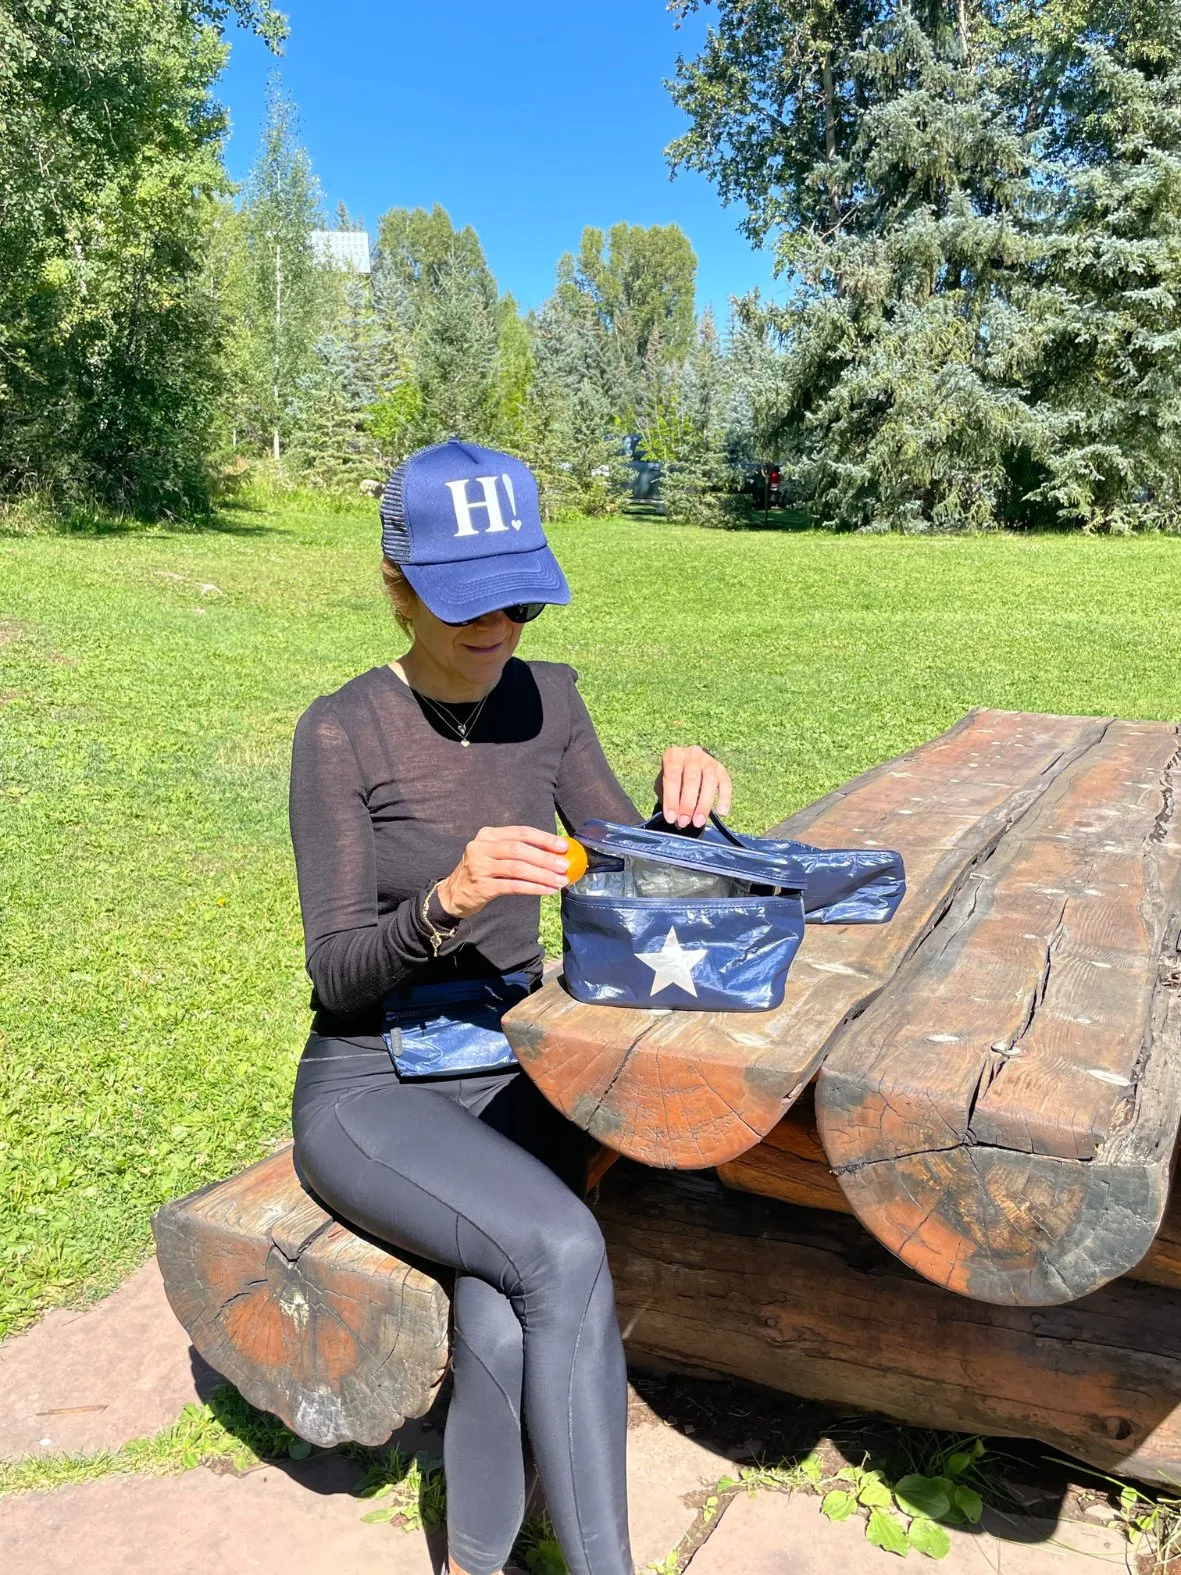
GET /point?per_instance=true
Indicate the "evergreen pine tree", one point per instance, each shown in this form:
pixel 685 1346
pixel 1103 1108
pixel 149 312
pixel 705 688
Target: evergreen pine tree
pixel 1109 378
pixel 287 298
pixel 685 429
pixel 456 355
pixel 570 433
pixel 977 206
pixel 333 445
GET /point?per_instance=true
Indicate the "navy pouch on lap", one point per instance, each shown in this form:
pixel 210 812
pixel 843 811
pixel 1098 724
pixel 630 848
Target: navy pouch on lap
pixel 452 1028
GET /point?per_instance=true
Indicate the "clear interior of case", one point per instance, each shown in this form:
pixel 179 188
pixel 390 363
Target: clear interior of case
pixel 631 877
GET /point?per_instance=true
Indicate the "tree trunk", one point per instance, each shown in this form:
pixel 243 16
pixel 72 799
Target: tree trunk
pixel 830 136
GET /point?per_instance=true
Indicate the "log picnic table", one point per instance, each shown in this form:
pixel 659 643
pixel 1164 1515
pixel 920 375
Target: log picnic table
pixel 933 1183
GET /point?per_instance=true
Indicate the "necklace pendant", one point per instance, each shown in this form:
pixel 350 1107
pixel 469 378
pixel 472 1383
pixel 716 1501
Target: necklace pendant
pixel 466 743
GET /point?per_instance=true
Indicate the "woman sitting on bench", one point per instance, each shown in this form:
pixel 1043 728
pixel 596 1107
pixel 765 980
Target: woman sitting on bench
pixel 423 798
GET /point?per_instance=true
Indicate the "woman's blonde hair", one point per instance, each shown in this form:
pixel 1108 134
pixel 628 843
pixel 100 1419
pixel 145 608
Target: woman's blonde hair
pixel 401 594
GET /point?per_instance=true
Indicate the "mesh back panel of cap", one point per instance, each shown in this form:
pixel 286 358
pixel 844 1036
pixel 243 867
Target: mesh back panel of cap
pixel 395 534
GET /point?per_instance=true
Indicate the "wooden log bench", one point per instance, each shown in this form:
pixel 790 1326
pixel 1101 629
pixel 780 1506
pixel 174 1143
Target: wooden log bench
pixel 1000 1066
pixel 334 1333
pixel 344 1340
pixel 1037 1187
pixel 683 1090
pixel 1003 1115
pixel 708 1280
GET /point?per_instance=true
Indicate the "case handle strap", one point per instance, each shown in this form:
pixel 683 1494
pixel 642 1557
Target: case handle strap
pixel 731 837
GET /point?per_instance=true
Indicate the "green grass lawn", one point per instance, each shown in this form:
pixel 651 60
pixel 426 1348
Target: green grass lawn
pixel 151 970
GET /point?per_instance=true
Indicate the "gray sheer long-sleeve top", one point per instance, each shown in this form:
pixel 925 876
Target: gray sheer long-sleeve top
pixel 384 799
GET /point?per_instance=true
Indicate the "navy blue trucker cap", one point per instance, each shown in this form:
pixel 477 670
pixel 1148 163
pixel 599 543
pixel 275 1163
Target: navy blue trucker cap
pixel 464 524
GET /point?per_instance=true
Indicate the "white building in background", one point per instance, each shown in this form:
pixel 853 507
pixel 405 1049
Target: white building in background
pixel 347 250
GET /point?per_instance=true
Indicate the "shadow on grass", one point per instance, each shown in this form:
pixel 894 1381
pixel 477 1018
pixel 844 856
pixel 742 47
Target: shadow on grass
pixel 232 516
pixel 773 520
pixel 224 522
pixel 743 517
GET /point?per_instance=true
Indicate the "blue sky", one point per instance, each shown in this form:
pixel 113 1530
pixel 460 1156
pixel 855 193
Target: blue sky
pixel 528 119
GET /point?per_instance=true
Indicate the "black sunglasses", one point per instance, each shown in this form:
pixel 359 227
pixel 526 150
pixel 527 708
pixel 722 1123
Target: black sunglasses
pixel 519 612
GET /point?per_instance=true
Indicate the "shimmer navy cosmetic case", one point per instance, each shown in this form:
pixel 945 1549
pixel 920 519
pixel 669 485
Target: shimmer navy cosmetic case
pixel 709 920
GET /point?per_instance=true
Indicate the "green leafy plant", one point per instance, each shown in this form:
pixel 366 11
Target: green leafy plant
pixel 537 1547
pixel 545 1559
pixel 1150 1519
pixel 912 1512
pixel 783 1477
pixel 414 1491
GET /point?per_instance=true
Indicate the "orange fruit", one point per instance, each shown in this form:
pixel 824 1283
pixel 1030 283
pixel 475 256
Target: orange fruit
pixel 576 855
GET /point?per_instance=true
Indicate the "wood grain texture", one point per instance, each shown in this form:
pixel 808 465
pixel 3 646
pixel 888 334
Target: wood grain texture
pixel 687 1090
pixel 807 1302
pixel 1004 1115
pixel 335 1334
pixel 790 1165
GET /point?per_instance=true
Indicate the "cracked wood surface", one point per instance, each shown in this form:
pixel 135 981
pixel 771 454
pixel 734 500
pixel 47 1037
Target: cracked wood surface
pixel 693 1089
pixel 809 1303
pixel 790 1164
pixel 1003 1115
pixel 335 1334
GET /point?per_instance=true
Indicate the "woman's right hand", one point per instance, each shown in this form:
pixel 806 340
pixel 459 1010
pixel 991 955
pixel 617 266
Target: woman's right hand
pixel 502 861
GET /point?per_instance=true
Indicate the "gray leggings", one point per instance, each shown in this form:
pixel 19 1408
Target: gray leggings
pixel 478 1173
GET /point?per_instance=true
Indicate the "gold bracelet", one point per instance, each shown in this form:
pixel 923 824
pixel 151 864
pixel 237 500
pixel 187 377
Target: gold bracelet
pixel 437 937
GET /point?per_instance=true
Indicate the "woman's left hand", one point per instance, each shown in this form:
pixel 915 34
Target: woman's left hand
pixel 689 785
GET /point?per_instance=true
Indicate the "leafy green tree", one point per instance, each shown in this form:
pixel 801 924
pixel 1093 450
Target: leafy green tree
pixel 774 100
pixel 977 206
pixel 417 250
pixel 227 282
pixel 642 281
pixel 110 161
pixel 634 284
pixel 289 297
pixel 514 346
pixel 463 355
